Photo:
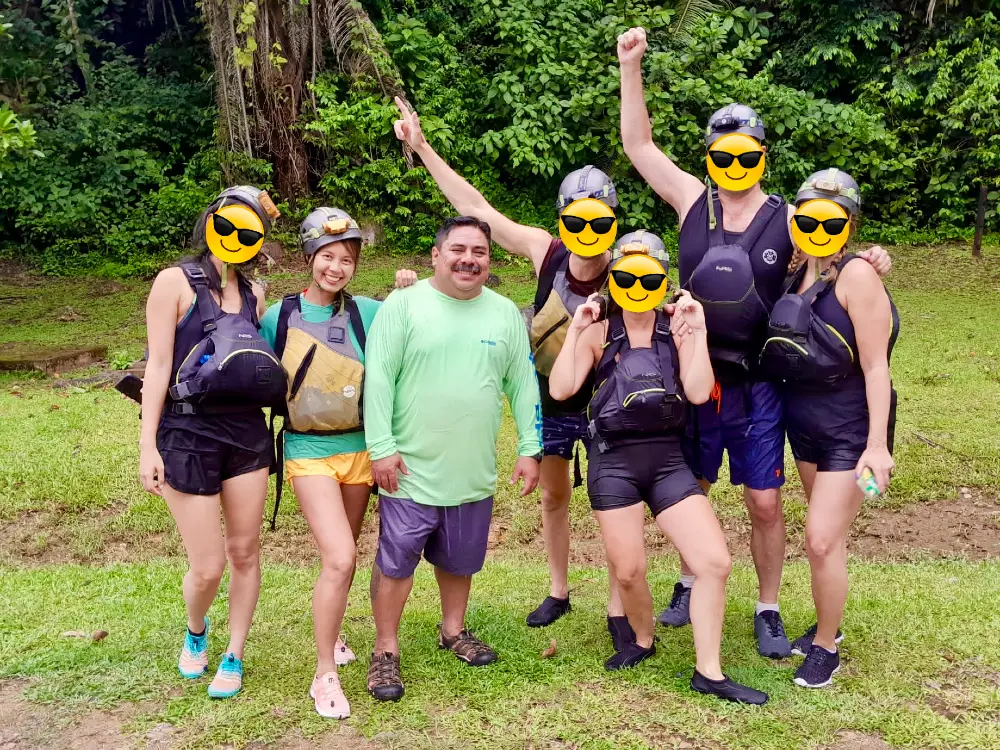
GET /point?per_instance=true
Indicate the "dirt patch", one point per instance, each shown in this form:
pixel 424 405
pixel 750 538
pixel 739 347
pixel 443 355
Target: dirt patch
pixel 953 694
pixel 968 527
pixel 29 726
pixel 847 740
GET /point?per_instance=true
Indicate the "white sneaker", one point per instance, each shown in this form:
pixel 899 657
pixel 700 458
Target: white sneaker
pixel 329 698
pixel 342 654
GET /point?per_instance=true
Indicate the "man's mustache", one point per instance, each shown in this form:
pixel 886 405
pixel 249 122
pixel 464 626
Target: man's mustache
pixel 473 268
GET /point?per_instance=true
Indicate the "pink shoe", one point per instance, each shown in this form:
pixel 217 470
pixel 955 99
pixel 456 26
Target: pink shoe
pixel 342 654
pixel 329 698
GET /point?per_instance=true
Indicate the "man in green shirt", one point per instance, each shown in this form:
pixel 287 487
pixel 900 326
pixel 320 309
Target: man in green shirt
pixel 440 355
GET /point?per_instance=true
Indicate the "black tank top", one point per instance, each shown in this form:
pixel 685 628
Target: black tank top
pixel 769 256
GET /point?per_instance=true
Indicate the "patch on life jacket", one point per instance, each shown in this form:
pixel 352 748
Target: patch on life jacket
pixel 548 332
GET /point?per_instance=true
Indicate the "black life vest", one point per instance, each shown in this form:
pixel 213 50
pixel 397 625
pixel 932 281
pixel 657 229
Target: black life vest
pixel 231 368
pixel 326 376
pixel 801 347
pixel 723 281
pixel 640 393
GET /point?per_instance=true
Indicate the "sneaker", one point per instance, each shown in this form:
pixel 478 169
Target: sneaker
pixel 193 661
pixel 621 632
pixel 548 612
pixel 343 655
pixel 385 681
pixel 468 648
pixel 771 639
pixel 228 679
pixel 802 644
pixel 631 655
pixel 329 698
pixel 678 614
pixel 818 669
pixel 727 690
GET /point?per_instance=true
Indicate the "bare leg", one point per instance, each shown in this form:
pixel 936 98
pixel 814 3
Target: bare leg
pixel 833 506
pixel 197 518
pixel 615 606
pixel 622 530
pixel 323 506
pixel 767 540
pixel 243 500
pixel 706 487
pixel 695 531
pixel 454 601
pixel 556 492
pixel 356 498
pixel 389 597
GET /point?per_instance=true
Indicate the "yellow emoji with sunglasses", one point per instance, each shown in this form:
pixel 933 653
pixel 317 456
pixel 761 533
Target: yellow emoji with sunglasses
pixel 587 227
pixel 638 280
pixel 823 206
pixel 234 230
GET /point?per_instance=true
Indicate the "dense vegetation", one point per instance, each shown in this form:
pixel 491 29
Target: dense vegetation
pixel 111 139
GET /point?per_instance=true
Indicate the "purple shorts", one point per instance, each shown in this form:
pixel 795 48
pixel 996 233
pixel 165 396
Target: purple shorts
pixel 452 538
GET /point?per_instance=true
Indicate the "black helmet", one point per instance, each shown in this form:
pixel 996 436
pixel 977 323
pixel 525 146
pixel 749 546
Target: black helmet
pixel 589 182
pixel 832 185
pixel 734 118
pixel 642 242
pixel 255 199
pixel 326 225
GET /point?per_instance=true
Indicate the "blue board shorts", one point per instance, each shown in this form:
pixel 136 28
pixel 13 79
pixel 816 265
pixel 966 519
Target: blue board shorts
pixel 561 434
pixel 747 421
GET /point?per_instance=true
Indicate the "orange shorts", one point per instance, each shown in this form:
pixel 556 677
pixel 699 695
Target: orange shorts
pixel 346 468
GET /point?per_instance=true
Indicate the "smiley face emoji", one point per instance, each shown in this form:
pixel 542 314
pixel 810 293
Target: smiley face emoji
pixel 234 233
pixel 587 227
pixel 736 161
pixel 819 227
pixel 638 283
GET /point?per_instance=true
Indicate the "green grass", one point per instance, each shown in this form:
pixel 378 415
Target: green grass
pixel 921 637
pixel 898 648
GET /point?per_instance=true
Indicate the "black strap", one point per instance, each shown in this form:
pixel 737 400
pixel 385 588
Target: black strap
pixel 357 324
pixel 558 261
pixel 717 233
pixel 666 350
pixel 206 308
pixel 289 303
pixel 577 474
pixel 249 299
pixel 279 470
pixel 617 341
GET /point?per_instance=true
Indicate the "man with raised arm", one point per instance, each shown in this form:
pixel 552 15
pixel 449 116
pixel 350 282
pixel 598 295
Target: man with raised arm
pixel 734 249
pixel 565 281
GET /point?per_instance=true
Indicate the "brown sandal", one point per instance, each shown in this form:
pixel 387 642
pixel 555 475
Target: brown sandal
pixel 385 680
pixel 468 648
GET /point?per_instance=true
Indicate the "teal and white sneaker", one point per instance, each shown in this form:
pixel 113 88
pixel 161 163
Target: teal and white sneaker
pixel 228 679
pixel 193 661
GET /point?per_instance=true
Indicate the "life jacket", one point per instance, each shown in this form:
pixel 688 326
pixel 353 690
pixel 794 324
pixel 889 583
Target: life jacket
pixel 230 368
pixel 801 347
pixel 555 306
pixel 723 281
pixel 325 373
pixel 640 393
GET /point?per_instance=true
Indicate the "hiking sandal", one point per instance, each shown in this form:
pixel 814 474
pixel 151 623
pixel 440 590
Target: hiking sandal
pixel 468 648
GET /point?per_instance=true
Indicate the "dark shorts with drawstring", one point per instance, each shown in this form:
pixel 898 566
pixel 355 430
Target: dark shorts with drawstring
pixel 453 538
pixel 747 421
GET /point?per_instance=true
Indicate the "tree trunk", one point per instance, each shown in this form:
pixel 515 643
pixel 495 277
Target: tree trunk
pixel 977 242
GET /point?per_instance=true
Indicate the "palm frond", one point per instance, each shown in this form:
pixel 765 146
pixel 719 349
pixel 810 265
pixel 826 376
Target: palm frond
pixel 692 13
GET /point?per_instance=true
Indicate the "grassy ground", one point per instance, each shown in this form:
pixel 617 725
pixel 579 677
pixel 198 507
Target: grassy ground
pixel 910 663
pixel 920 671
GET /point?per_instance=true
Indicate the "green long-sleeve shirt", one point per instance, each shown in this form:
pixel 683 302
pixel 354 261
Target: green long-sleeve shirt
pixel 434 374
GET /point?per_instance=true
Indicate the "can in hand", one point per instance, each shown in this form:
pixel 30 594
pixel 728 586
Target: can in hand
pixel 868 484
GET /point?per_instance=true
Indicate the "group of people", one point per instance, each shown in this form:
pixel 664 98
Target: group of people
pixel 776 329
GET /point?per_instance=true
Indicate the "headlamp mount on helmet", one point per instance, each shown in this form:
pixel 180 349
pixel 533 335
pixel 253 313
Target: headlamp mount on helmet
pixel 833 185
